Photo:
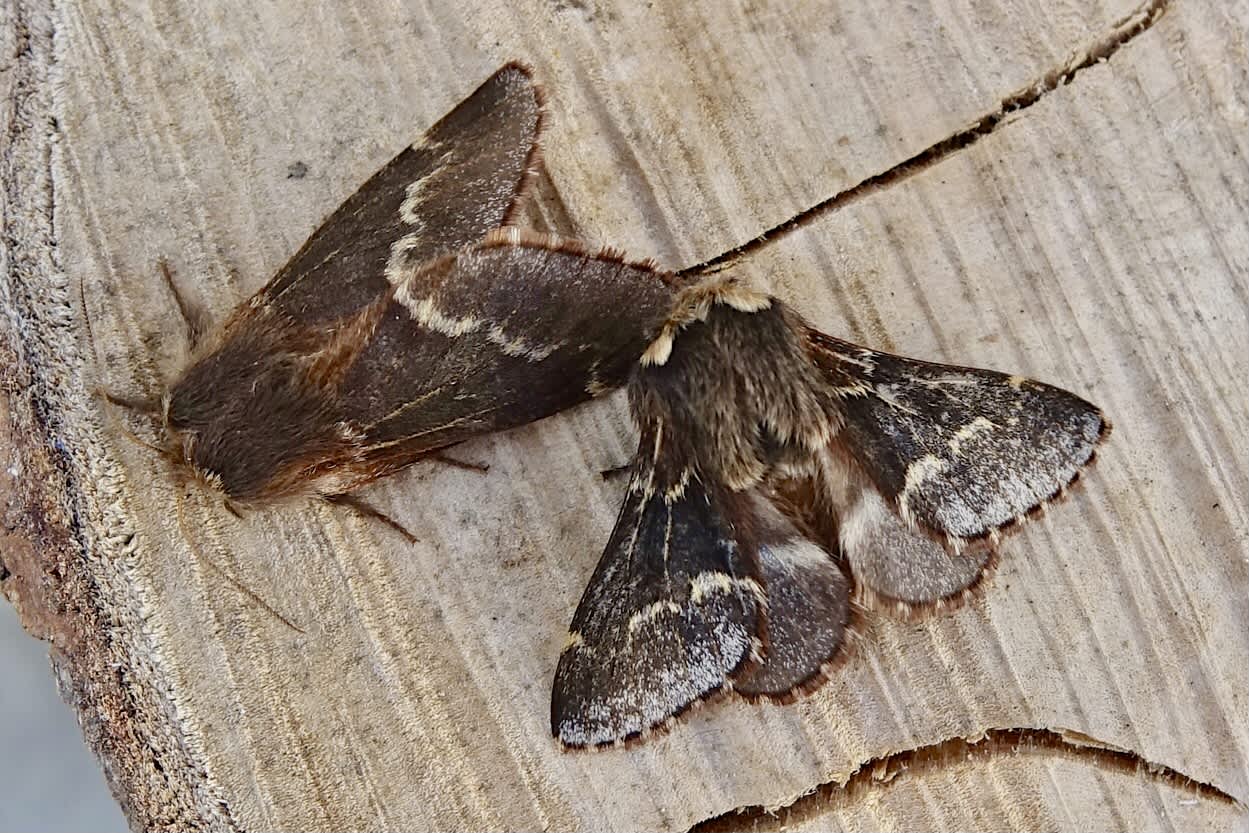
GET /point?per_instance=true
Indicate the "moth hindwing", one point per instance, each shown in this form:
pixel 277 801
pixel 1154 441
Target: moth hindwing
pixel 779 471
pixel 413 318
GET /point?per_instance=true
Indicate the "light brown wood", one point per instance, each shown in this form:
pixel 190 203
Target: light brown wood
pixel 1096 239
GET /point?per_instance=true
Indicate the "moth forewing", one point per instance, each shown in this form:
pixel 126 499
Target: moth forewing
pixel 491 337
pixel 959 452
pixel 674 608
pixel 411 321
pixel 257 414
pixel 496 336
pixel 470 173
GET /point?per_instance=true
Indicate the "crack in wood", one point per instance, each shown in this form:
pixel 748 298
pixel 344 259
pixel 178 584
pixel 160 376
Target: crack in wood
pixel 1122 33
pixel 878 773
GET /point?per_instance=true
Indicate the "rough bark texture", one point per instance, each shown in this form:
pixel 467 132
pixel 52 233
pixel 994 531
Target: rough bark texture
pixel 1074 209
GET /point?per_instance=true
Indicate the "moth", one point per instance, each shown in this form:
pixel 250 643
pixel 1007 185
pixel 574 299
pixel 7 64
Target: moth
pixel 415 317
pixel 780 471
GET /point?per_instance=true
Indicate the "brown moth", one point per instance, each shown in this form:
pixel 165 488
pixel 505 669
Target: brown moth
pixel 778 470
pixel 413 318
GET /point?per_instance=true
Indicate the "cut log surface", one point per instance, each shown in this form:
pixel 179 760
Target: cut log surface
pixel 1075 211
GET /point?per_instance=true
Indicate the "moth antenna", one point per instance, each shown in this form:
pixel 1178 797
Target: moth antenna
pixel 194 319
pixel 616 472
pixel 231 580
pixel 142 406
pixel 366 510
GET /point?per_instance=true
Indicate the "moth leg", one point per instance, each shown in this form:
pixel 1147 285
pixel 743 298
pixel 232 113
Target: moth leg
pixel 194 318
pixel 189 539
pixel 440 457
pixel 615 472
pixel 254 596
pixel 366 510
pixel 146 405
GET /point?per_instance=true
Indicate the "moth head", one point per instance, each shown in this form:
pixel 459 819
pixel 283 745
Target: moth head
pixel 180 448
pixel 250 425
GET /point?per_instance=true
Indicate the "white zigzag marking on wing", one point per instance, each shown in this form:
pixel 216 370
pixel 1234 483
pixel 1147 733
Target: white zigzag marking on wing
pixel 415 193
pixel 713 581
pixel 917 473
pixel 652 611
pixel 397 267
pixel 429 316
pixel 979 425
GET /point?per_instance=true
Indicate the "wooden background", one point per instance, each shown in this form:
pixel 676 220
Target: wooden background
pixel 1095 238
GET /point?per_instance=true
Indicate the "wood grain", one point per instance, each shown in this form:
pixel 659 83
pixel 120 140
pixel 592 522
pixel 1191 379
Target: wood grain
pixel 1095 239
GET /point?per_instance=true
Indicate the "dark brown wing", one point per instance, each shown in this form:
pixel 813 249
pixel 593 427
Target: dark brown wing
pixel 513 329
pixel 674 609
pixel 959 451
pixel 896 566
pixel 506 332
pixel 808 608
pixel 464 178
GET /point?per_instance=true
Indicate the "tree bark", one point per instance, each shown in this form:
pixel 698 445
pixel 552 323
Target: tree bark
pixel 1054 189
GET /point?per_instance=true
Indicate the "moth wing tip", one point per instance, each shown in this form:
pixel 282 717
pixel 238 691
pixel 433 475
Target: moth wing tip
pixel 1107 428
pixel 578 742
pixel 518 65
